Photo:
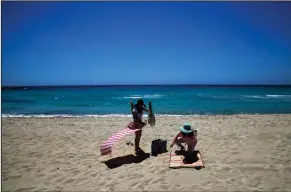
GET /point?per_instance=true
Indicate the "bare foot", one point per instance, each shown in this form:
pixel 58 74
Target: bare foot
pixel 136 150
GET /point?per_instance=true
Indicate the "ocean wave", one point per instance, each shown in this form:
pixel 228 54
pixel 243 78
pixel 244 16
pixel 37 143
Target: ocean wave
pixel 267 96
pixel 243 96
pixel 278 96
pixel 254 96
pixel 131 97
pixel 17 101
pixel 147 96
pixel 217 96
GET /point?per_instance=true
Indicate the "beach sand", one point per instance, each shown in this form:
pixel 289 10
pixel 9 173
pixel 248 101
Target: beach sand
pixel 240 153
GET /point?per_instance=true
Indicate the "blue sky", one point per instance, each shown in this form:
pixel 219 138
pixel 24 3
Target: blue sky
pixel 74 43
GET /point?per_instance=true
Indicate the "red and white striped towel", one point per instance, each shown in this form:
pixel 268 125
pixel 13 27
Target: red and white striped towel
pixel 106 147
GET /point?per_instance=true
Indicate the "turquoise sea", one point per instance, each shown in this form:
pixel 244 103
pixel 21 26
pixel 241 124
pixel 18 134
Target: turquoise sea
pixel 167 100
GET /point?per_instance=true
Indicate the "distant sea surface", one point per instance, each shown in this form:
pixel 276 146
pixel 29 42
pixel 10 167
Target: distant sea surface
pixel 167 100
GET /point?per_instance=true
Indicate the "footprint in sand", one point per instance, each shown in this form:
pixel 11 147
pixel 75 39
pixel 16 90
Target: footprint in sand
pixel 24 189
pixel 256 190
pixel 230 181
pixel 15 177
pixel 94 175
pixel 40 175
pixel 80 180
pixel 47 183
pixel 27 169
pixel 76 172
pixel 69 181
pixel 138 185
pixel 58 179
pixel 152 169
pixel 59 188
pixel 160 180
pixel 162 171
pixel 102 183
pixel 276 189
pixel 164 187
pixel 178 185
pixel 256 181
pixel 206 185
pixel 134 176
pixel 234 152
pixel 122 177
pixel 85 182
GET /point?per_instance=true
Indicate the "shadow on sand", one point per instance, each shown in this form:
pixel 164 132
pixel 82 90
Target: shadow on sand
pixel 156 154
pixel 127 159
pixel 189 157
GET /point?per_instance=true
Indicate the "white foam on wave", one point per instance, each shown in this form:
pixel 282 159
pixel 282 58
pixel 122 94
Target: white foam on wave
pixel 217 96
pixel 278 96
pixel 244 96
pixel 146 96
pixel 266 96
pixel 131 97
pixel 254 96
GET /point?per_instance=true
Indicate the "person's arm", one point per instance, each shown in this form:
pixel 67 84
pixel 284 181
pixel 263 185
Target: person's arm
pixel 172 144
pixel 146 109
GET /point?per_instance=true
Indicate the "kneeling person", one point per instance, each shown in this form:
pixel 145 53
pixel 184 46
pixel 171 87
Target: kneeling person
pixel 186 135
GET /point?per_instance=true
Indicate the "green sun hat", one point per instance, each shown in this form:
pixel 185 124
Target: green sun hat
pixel 186 128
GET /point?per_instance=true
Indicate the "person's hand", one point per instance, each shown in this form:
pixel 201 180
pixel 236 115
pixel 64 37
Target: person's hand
pixel 171 145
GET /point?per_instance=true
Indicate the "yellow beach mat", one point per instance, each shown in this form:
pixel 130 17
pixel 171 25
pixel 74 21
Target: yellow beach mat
pixel 177 160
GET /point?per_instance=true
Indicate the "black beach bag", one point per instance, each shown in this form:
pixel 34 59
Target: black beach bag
pixel 158 146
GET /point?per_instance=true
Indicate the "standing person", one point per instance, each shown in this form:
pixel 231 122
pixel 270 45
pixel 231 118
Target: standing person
pixel 137 113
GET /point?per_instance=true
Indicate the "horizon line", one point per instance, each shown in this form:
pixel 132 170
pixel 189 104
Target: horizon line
pixel 141 85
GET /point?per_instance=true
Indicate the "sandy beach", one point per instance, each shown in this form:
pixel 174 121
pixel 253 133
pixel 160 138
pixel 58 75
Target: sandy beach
pixel 240 153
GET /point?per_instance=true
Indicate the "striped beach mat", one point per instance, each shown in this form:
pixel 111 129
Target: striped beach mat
pixel 176 160
pixel 106 147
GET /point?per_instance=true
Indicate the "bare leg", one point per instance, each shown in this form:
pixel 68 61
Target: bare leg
pixel 190 148
pixel 191 145
pixel 137 140
pixel 179 143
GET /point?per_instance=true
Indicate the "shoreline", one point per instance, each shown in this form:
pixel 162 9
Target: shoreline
pixel 240 153
pixel 129 115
